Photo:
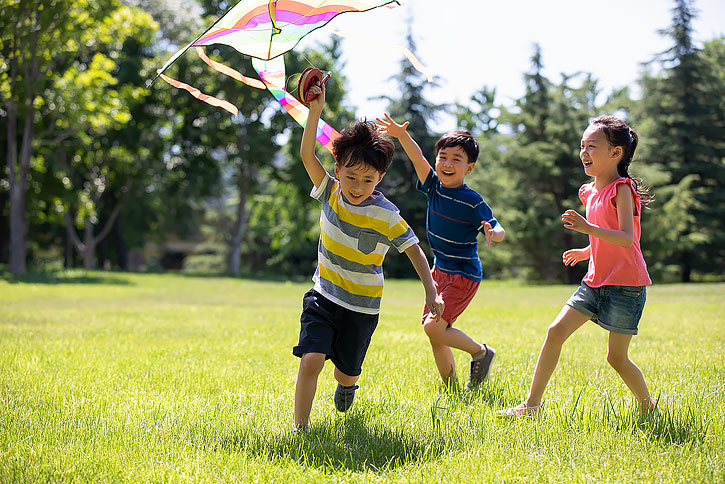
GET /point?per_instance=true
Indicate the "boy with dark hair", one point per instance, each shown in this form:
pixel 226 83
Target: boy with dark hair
pixel 358 226
pixel 455 216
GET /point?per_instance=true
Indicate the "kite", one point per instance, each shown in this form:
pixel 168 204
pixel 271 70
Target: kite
pixel 264 30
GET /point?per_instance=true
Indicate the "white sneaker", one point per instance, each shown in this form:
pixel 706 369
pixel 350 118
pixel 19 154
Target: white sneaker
pixel 521 410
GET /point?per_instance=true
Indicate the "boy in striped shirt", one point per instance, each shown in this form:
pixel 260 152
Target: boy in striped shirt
pixel 455 216
pixel 358 226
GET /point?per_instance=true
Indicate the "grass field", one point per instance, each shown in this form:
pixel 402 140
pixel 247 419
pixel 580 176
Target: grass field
pixel 109 377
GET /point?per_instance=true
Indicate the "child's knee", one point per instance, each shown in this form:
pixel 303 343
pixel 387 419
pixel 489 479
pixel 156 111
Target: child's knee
pixel 312 363
pixel 434 329
pixel 556 334
pixel 617 360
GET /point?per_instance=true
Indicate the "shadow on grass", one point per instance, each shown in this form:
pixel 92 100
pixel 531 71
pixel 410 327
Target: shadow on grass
pixel 70 276
pixel 346 444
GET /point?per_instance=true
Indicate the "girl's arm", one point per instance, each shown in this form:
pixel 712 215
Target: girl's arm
pixel 573 256
pixel 315 170
pixel 624 237
pixel 432 299
pixel 399 131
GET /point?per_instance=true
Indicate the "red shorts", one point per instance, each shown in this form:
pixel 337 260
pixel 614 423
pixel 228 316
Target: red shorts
pixel 457 292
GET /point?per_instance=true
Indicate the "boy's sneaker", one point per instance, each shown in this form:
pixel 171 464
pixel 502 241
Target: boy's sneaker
pixel 344 396
pixel 480 366
pixel 521 410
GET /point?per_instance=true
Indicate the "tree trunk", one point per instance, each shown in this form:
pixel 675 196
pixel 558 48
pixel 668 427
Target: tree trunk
pixel 240 222
pixel 89 247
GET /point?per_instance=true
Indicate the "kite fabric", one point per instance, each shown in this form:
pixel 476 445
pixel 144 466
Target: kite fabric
pixel 272 72
pixel 264 30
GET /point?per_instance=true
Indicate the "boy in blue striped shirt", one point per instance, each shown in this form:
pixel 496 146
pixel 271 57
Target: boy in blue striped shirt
pixel 357 227
pixel 455 216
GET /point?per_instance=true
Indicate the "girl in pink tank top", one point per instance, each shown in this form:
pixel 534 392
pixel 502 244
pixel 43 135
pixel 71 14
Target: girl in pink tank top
pixel 613 292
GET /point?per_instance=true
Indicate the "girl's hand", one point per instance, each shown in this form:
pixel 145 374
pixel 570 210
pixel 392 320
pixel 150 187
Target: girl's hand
pixel 487 232
pixel 574 256
pixel 390 127
pixel 572 220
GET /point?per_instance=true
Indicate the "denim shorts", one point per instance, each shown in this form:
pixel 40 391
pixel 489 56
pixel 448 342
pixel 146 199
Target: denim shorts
pixel 615 308
pixel 339 333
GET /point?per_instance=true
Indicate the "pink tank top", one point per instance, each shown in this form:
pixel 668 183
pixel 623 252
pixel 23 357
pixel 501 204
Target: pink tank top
pixel 609 264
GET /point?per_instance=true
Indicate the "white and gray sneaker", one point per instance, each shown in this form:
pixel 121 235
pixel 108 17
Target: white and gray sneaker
pixel 344 396
pixel 480 366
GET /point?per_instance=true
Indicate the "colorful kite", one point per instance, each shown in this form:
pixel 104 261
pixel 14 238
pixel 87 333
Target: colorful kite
pixel 264 30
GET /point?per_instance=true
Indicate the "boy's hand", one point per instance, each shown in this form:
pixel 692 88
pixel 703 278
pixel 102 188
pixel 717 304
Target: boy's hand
pixel 390 127
pixel 319 101
pixel 435 304
pixel 573 221
pixel 487 232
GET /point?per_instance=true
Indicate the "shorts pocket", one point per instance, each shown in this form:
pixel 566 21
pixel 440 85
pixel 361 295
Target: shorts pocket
pixel 367 241
pixel 631 291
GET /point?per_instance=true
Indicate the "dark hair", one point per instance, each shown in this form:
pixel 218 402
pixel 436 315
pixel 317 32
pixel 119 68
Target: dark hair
pixel 363 143
pixel 619 133
pixel 461 138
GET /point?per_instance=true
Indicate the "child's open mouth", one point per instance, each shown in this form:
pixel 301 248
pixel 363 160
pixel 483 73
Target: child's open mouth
pixel 448 173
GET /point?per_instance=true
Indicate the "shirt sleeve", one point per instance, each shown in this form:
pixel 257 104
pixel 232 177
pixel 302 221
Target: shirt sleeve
pixel 323 192
pixel 635 196
pixel 429 183
pixel 400 235
pixel 483 213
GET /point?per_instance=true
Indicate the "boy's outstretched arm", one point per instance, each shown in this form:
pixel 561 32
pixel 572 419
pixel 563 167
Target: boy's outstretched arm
pixel 495 234
pixel 433 300
pixel 400 131
pixel 312 163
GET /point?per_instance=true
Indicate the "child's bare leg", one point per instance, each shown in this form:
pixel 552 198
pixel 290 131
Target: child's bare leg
pixel 345 380
pixel 440 333
pixel 311 365
pixel 568 321
pixel 445 362
pixel 618 358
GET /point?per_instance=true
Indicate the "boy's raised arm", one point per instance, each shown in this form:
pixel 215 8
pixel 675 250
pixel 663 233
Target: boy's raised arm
pixel 315 170
pixel 399 131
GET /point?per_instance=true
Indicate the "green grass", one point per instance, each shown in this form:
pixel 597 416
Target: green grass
pixel 108 377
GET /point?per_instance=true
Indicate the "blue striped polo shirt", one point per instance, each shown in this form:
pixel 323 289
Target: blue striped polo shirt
pixel 353 242
pixel 453 221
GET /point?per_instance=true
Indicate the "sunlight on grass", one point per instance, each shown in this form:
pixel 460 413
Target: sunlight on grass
pixel 110 377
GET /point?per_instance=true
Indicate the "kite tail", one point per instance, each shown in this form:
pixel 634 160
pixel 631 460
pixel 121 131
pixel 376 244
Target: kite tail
pixel 272 72
pixel 200 95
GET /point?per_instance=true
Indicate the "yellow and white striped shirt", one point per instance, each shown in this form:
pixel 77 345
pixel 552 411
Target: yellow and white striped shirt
pixel 353 242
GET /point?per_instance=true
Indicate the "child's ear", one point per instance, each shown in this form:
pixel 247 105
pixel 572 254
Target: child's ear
pixel 616 151
pixel 381 176
pixel 470 168
pixel 337 171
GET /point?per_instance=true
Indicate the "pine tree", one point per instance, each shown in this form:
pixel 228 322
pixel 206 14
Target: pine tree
pixel 685 132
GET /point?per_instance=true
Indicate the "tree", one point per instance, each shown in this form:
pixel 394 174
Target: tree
pixel 685 130
pixel 35 40
pixel 400 181
pixel 543 168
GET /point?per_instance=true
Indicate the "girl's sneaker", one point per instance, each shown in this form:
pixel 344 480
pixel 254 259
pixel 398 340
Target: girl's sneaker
pixel 521 410
pixel 344 396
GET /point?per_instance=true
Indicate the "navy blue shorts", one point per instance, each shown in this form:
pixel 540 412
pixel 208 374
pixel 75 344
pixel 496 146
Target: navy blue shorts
pixel 341 334
pixel 615 308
